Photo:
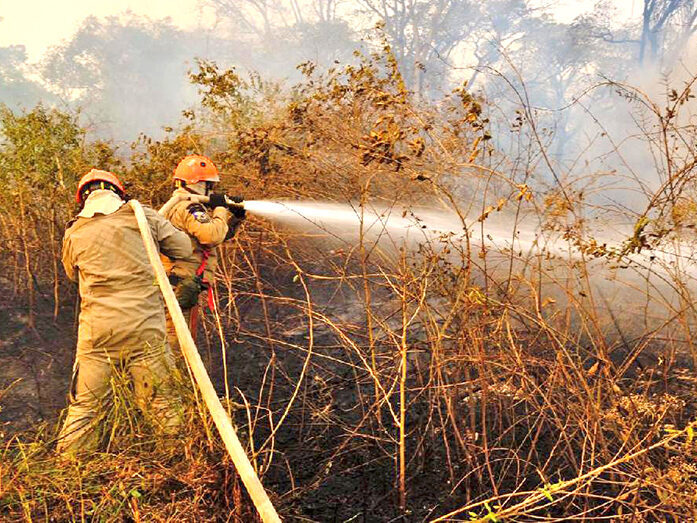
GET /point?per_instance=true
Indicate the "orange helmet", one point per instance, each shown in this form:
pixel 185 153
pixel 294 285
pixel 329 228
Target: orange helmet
pixel 95 175
pixel 196 168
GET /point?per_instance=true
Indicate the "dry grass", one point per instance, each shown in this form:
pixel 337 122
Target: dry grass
pixel 139 474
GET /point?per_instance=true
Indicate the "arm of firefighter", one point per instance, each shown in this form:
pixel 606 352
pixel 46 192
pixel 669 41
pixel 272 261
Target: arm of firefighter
pixel 172 242
pixel 210 231
pixel 233 225
pixel 169 204
pixel 67 259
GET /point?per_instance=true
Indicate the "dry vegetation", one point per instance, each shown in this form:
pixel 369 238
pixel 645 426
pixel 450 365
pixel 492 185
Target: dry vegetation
pixel 372 382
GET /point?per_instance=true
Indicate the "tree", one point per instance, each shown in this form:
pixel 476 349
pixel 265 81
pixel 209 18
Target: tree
pixel 659 35
pixel 15 89
pixel 423 33
pixel 656 18
pixel 280 35
pixel 131 75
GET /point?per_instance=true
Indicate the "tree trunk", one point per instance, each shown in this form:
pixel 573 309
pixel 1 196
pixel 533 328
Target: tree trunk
pixel 27 261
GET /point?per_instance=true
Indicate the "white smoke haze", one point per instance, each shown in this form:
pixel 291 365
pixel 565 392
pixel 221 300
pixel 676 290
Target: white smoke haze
pixel 546 74
pixel 487 310
pixel 559 48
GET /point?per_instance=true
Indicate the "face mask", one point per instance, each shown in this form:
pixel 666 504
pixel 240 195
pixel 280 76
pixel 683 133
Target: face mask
pixel 198 188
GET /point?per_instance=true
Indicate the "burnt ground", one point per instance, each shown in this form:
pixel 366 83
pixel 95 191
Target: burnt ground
pixel 35 370
pixel 314 477
pixel 35 366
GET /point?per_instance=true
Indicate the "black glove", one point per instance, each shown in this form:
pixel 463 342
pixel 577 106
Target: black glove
pixel 188 290
pixel 216 200
pixel 238 211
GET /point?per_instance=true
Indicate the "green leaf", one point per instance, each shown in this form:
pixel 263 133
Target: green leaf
pixel 547 493
pixel 490 513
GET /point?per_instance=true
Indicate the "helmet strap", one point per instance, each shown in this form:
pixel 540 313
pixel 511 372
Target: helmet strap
pixel 99 185
pixel 200 188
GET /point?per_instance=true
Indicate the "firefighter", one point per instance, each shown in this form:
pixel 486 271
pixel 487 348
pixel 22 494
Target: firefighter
pixel 122 318
pixel 208 225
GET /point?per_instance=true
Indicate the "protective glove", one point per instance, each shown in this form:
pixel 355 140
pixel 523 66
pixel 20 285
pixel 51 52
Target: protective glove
pixel 216 200
pixel 188 290
pixel 238 211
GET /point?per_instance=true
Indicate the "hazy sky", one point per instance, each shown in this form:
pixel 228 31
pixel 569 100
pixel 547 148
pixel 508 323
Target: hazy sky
pixel 38 24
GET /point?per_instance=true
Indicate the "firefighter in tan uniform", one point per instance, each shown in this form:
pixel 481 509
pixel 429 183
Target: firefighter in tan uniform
pixel 208 225
pixel 122 317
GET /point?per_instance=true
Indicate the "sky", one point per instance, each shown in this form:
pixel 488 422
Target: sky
pixel 40 24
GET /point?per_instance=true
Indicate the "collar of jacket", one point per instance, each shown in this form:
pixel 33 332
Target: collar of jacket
pixel 101 201
pixel 181 191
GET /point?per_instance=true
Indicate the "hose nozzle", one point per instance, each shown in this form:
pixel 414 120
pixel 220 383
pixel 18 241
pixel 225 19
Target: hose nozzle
pixel 236 205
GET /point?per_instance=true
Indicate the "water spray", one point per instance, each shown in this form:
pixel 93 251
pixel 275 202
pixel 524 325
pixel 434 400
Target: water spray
pixel 521 243
pixel 341 220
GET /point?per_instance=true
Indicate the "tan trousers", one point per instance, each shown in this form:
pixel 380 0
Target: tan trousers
pixel 150 369
pixel 172 334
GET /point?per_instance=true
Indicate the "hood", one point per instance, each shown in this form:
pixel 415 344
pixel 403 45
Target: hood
pixel 101 201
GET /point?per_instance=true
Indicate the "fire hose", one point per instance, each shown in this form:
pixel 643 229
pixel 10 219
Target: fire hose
pixel 194 198
pixel 220 418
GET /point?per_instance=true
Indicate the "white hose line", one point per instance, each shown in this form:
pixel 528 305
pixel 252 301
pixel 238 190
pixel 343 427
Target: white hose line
pixel 177 197
pixel 220 418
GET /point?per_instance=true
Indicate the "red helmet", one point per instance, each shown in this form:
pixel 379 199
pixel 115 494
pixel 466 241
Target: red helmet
pixel 196 168
pixel 95 175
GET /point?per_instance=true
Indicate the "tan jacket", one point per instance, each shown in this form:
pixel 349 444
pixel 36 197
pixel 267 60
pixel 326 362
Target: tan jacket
pixel 121 305
pixel 206 228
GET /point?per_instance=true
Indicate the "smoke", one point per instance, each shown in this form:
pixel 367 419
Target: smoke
pixel 553 113
pixel 129 74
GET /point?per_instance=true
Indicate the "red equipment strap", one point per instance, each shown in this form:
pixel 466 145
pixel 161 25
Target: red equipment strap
pixel 204 261
pixel 193 322
pixel 199 272
pixel 211 300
